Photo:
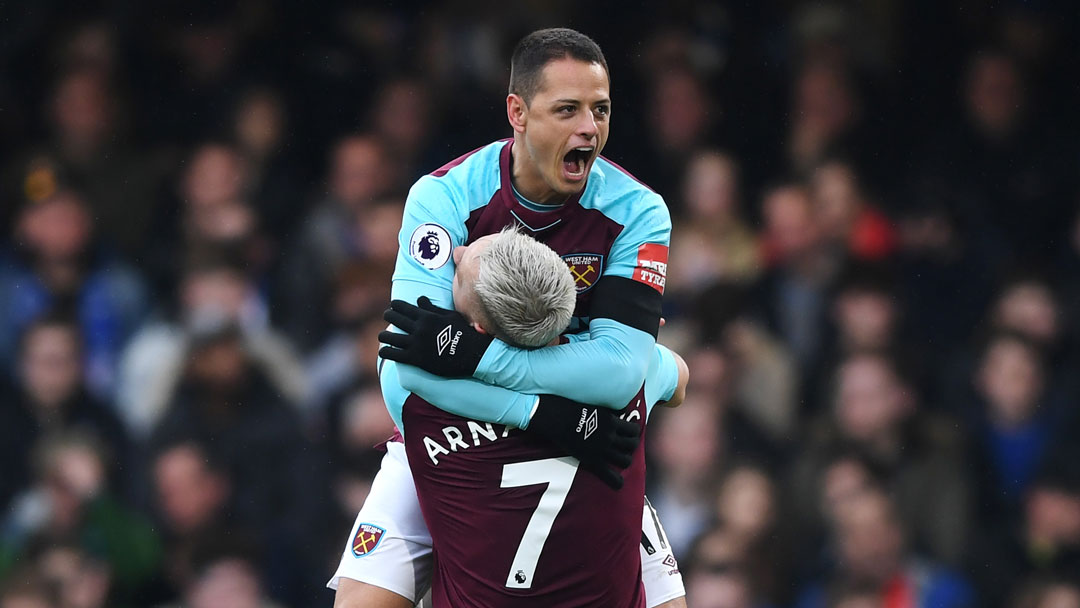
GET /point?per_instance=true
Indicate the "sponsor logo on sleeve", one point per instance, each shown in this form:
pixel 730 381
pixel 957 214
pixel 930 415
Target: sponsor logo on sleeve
pixel 430 245
pixel 651 267
pixel 367 539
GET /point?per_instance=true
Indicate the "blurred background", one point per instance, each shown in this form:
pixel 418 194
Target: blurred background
pixel 875 278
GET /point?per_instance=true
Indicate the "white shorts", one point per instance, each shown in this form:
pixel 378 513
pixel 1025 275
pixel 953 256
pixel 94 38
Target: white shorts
pixel 390 546
pixel 659 570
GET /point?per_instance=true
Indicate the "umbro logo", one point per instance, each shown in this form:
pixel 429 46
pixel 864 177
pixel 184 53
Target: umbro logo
pixel 443 340
pixel 589 422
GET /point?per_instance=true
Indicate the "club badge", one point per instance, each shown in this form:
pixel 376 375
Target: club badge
pixel 367 539
pixel 585 268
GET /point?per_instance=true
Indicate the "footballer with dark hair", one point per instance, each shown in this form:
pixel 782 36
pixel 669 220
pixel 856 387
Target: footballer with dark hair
pixel 518 456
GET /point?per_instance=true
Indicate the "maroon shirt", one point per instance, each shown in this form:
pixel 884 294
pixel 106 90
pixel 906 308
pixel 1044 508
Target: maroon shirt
pixel 479 500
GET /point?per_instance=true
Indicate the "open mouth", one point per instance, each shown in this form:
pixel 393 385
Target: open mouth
pixel 576 161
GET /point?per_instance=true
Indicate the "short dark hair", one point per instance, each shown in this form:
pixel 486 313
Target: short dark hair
pixel 534 51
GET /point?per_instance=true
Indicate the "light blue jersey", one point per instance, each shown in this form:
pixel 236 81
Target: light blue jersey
pixel 614 237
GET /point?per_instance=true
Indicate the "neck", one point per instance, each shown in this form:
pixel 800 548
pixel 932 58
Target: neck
pixel 526 178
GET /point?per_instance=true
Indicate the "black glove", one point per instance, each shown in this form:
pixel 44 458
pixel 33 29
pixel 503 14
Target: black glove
pixel 436 340
pixel 594 435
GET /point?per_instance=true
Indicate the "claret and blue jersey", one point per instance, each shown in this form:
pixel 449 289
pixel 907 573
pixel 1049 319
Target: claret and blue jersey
pixel 614 237
pixel 486 488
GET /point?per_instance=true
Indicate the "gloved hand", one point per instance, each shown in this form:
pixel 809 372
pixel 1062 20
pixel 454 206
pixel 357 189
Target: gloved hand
pixel 594 435
pixel 436 340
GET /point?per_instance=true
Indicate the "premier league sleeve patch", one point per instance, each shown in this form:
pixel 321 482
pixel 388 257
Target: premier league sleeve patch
pixel 430 245
pixel 367 539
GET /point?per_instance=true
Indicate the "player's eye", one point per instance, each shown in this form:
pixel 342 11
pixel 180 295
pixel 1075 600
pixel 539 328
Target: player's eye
pixel 566 109
pixel 603 110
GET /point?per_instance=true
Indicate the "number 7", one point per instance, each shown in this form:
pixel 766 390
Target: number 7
pixel 558 474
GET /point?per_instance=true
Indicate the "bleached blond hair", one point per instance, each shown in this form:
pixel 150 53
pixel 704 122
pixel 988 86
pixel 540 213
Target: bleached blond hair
pixel 525 289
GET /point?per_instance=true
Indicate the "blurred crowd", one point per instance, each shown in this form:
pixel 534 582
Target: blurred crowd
pixel 875 279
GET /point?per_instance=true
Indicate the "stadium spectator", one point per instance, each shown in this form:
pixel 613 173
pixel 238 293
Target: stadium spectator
pixel 875 413
pixel 224 573
pixel 192 495
pixel 1044 543
pixel 800 271
pixel 349 356
pixel 54 264
pixel 680 119
pixel 259 128
pixel 401 117
pixel 1029 305
pixel 1015 424
pixel 686 450
pixel 1014 203
pixel 825 114
pixel 89 145
pixel 938 256
pixel 747 509
pixel 871 546
pixel 52 397
pixel 70 503
pixel 215 291
pixel 279 485
pixel 713 243
pixel 847 219
pixel 343 228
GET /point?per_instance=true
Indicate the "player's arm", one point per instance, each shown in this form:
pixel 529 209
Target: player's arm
pixel 433 211
pixel 679 394
pixel 355 594
pixel 625 318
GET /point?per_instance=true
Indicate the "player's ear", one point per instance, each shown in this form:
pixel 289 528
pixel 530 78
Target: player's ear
pixel 517 112
pixel 480 328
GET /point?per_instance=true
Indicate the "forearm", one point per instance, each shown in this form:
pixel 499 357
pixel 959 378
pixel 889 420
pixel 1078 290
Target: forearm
pixel 468 398
pixel 605 370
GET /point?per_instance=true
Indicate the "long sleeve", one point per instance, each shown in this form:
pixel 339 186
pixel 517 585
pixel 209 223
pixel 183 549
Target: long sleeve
pixel 625 313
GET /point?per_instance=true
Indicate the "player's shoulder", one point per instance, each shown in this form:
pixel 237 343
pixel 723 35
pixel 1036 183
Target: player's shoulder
pixel 619 195
pixel 478 169
pixel 468 178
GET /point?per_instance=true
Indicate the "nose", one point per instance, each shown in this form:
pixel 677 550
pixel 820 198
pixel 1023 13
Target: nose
pixel 587 127
pixel 458 252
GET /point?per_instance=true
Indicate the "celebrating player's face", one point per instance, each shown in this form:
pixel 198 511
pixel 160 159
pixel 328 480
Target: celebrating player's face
pixel 564 129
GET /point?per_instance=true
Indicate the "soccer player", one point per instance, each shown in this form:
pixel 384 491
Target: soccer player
pixel 611 231
pixel 517 288
pixel 550 181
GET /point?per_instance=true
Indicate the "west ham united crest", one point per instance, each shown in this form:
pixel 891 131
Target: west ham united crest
pixel 585 268
pixel 366 539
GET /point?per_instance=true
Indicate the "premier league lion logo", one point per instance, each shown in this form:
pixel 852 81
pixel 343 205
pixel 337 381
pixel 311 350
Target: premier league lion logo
pixel 429 246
